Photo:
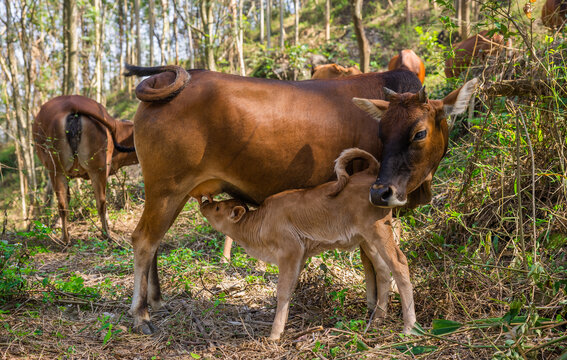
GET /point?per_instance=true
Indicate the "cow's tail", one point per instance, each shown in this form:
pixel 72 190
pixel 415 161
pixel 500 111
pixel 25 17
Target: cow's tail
pixel 97 112
pixel 73 130
pixel 146 90
pixel 343 160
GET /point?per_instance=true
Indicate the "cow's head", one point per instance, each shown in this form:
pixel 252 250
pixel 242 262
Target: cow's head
pixel 414 135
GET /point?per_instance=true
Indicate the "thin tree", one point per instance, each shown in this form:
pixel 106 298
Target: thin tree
pixel 99 18
pixel 408 13
pixel 262 22
pixel 71 50
pixel 138 33
pixel 269 23
pixel 152 24
pixel 296 33
pixel 282 29
pixel 164 31
pixel 465 18
pixel 327 20
pixel 208 26
pixel 363 46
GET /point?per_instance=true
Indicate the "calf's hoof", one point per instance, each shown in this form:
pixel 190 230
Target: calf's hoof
pixel 145 328
pixel 274 337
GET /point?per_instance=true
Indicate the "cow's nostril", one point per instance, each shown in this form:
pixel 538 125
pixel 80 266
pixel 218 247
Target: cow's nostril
pixel 386 193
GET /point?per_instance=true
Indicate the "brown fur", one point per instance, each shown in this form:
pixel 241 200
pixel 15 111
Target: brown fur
pixel 248 137
pixel 408 163
pixel 554 13
pixel 333 71
pixel 294 225
pixel 476 48
pixel 408 59
pixel 80 147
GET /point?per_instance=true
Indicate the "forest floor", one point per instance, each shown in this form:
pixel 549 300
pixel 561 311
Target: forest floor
pixel 76 300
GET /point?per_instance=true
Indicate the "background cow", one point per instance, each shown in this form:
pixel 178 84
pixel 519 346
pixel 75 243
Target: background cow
pixel 554 13
pixel 474 49
pixel 72 140
pixel 333 71
pixel 408 59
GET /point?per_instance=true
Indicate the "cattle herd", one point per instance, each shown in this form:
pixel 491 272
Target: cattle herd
pixel 273 144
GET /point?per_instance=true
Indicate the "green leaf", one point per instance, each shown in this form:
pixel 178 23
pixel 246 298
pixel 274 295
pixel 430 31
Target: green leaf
pixel 417 330
pixel 108 335
pixel 442 326
pixel 195 356
pixel 416 350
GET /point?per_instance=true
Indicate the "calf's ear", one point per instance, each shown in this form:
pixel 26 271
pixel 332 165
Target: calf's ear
pixel 457 101
pixel 374 108
pixel 237 213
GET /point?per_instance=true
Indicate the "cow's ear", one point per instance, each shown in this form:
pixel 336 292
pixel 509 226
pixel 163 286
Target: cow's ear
pixel 420 196
pixel 374 108
pixel 237 213
pixel 457 101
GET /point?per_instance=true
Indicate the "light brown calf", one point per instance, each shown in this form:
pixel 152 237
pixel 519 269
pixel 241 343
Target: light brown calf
pixel 408 59
pixel 72 136
pixel 294 225
pixel 333 71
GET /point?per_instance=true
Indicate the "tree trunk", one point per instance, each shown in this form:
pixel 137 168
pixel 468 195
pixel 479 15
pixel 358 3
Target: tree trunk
pixel 99 31
pixel 121 47
pixel 269 23
pixel 189 35
pixel 138 33
pixel 327 20
pixel 363 46
pixel 208 25
pixel 236 10
pixel 165 32
pixel 296 34
pixel 72 54
pixel 152 23
pixel 240 42
pixel 282 29
pixel 176 38
pixel 262 22
pixel 408 13
pixel 465 18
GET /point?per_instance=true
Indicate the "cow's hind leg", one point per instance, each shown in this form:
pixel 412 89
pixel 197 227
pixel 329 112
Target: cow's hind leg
pixel 98 181
pixel 61 188
pixel 159 213
pixel 154 292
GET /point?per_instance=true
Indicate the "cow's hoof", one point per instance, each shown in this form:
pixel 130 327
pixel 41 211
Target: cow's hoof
pixel 274 337
pixel 145 328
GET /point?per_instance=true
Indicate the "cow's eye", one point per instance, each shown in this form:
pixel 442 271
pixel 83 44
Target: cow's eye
pixel 420 135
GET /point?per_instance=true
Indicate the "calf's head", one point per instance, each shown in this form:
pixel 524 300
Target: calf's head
pixel 222 215
pixel 414 135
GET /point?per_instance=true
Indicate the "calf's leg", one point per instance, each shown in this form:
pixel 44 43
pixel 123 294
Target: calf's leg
pixel 380 239
pixel 289 267
pixel 381 279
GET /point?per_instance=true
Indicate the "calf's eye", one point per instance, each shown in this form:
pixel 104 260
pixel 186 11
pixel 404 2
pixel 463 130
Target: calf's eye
pixel 420 135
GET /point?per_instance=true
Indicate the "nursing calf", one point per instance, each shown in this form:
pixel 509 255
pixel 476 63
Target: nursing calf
pixel 294 225
pixel 75 137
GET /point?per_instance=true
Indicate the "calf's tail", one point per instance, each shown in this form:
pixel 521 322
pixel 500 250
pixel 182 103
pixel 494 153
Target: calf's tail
pixel 146 90
pixel 343 160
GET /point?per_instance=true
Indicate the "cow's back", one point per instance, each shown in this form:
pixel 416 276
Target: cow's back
pixel 256 137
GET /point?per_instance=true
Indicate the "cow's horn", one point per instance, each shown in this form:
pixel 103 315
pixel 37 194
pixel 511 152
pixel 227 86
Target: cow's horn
pixel 422 95
pixel 388 93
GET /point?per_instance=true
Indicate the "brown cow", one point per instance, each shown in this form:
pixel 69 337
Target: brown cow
pixel 474 49
pixel 72 142
pixel 294 225
pixel 407 59
pixel 201 133
pixel 554 13
pixel 333 71
pixel 414 137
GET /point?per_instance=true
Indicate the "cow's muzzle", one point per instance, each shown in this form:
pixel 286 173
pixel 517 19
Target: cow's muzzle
pixel 385 196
